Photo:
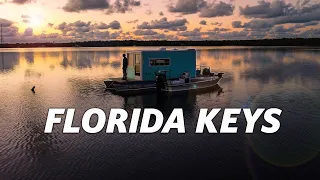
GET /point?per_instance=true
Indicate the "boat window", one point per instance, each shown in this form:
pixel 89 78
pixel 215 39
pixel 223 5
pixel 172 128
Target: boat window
pixel 160 62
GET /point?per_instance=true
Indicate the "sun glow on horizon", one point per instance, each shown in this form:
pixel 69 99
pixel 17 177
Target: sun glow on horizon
pixel 35 21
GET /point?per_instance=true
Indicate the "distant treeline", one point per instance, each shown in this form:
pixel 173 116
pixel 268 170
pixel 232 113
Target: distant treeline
pixel 264 42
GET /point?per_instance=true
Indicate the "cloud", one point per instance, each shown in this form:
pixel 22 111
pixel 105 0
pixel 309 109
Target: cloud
pixel 119 6
pixel 282 29
pixel 8 28
pixel 11 34
pixel 80 27
pixel 101 34
pixel 293 31
pixel 266 19
pixel 10 31
pixel 83 5
pixel 203 7
pixel 25 18
pixel 144 35
pixel 117 35
pixel 311 23
pixel 80 24
pixel 187 6
pixel 158 36
pixel 258 35
pixel 113 25
pixel 260 30
pixel 266 9
pixel 38 38
pixel 149 12
pixel 305 2
pixel 220 29
pixel 21 1
pixel 64 27
pixel 6 23
pixel 266 28
pixel 312 33
pixel 122 6
pixel 133 21
pixel 237 24
pixel 195 34
pixel 203 22
pixel 216 24
pixel 234 35
pixel 306 14
pixel 217 10
pixel 175 25
pixel 215 34
pixel 148 32
pixel 28 32
pixel 85 31
pixel 278 12
pixel 253 24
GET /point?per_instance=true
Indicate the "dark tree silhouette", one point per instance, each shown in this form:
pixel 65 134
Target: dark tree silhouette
pixel 262 42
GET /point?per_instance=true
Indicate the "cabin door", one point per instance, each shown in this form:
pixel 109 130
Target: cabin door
pixel 137 64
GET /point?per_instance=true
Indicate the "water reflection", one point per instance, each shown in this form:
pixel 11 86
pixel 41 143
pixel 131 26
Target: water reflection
pixel 189 102
pixel 287 78
pixel 29 56
pixel 30 73
pixel 282 72
pixel 9 61
pixel 87 59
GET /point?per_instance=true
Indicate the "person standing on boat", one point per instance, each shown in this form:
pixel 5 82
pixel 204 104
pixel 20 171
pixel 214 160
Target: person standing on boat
pixel 124 66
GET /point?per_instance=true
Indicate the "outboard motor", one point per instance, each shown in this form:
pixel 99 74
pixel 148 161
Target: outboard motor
pixel 206 72
pixel 161 80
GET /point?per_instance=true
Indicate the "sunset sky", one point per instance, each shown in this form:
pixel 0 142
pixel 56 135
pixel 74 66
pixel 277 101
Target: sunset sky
pixel 86 20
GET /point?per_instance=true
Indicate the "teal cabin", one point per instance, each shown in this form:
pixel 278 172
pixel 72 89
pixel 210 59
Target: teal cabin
pixel 142 65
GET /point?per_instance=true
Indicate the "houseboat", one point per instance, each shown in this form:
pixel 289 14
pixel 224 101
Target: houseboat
pixel 165 71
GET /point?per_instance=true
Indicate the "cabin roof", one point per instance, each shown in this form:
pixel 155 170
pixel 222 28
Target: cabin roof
pixel 163 50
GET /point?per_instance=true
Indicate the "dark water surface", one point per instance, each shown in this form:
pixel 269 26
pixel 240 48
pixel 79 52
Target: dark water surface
pixel 286 78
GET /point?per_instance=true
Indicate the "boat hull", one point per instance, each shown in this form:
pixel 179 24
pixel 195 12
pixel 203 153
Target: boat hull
pixel 199 85
pixel 138 88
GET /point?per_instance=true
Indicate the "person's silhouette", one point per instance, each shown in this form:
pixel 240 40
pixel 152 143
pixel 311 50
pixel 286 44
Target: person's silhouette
pixel 124 67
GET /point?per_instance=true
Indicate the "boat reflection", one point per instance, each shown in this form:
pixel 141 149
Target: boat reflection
pixel 167 101
pixel 188 102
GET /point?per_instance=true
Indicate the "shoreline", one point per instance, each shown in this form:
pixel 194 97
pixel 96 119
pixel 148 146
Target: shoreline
pixel 312 42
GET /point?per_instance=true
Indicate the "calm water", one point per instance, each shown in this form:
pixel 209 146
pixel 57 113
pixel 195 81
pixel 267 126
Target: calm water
pixel 286 78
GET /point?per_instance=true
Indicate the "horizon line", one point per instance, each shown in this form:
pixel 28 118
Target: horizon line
pixel 266 39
